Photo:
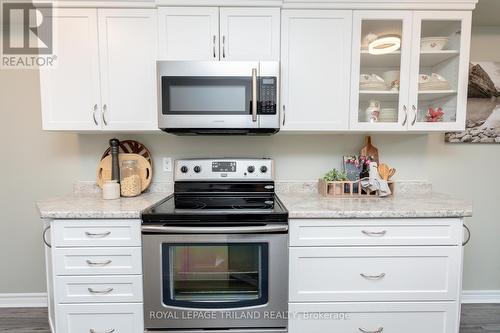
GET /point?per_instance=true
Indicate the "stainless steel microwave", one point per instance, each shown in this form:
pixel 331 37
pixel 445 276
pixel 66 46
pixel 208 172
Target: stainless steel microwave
pixel 226 97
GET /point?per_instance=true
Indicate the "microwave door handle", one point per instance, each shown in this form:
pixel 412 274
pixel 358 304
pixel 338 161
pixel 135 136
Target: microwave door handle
pixel 214 230
pixel 254 94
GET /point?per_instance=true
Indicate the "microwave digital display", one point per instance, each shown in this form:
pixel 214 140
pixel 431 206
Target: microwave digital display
pixel 223 166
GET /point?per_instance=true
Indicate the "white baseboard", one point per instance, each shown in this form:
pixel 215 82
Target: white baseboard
pixel 23 300
pixel 480 296
pixel 35 300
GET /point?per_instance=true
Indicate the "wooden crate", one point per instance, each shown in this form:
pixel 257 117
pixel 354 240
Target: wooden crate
pixel 346 188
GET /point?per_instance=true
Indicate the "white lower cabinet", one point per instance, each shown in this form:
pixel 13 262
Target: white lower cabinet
pixel 95 276
pixel 100 318
pixel 374 276
pixel 373 317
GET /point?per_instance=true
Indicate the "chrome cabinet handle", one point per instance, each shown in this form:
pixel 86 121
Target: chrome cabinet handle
pixel 111 330
pixel 284 114
pixel 94 110
pixel 105 291
pixel 367 331
pixel 98 263
pixel 374 233
pixel 414 108
pixel 372 277
pixel 254 95
pixel 214 40
pixel 467 240
pixel 104 109
pixel 223 46
pixel 44 236
pixel 97 235
pixel 406 114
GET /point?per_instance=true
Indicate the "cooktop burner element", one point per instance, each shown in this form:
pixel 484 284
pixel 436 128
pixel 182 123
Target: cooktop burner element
pixel 220 191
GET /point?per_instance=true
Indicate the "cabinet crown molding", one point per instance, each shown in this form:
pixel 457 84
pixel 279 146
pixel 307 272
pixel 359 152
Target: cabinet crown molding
pixel 298 4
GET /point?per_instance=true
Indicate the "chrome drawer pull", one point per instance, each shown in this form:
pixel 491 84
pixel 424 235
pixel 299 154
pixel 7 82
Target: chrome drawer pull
pixel 111 330
pixel 97 235
pixel 372 277
pixel 98 263
pixel 374 233
pixel 366 331
pixel 106 291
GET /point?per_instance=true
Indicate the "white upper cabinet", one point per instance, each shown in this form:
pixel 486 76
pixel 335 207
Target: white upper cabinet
pixel 188 33
pixel 315 60
pixel 70 94
pixel 380 79
pixel 420 85
pixel 439 77
pixel 192 33
pixel 128 53
pixel 249 33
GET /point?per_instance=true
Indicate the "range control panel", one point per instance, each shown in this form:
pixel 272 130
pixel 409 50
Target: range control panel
pixel 224 169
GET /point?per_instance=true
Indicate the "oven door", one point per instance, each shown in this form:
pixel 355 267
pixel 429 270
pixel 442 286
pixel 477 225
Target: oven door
pixel 212 95
pixel 215 280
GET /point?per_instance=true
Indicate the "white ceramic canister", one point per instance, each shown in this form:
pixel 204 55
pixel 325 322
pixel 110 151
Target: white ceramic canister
pixel 111 190
pixel 372 112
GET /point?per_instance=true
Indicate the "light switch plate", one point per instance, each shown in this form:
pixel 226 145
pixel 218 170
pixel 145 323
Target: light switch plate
pixel 167 164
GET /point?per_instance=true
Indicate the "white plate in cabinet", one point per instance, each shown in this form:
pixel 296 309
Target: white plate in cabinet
pixel 374 274
pixel 97 261
pixel 82 233
pixel 99 318
pixel 374 318
pixel 99 289
pixel 374 232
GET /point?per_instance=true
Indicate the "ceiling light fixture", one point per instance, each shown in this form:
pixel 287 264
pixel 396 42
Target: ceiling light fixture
pixel 385 45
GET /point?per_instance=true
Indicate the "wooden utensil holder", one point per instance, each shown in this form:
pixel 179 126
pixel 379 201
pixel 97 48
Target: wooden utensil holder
pixel 346 189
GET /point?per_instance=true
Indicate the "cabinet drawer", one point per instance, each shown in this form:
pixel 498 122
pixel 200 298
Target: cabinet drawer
pixel 80 233
pixel 374 274
pixel 97 261
pixel 89 289
pixel 374 232
pixel 111 317
pixel 374 317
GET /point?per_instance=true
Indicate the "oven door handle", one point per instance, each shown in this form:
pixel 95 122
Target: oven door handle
pixel 254 95
pixel 270 228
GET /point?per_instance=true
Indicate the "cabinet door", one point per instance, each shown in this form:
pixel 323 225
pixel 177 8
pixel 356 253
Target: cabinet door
pixel 70 92
pixel 250 33
pixel 128 53
pixel 380 70
pixel 440 70
pixel 189 33
pixel 316 58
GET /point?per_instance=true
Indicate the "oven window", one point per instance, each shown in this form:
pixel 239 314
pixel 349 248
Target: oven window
pixel 215 275
pixel 206 95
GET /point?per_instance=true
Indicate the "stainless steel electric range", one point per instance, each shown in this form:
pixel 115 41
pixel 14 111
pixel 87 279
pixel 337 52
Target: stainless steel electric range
pixel 215 252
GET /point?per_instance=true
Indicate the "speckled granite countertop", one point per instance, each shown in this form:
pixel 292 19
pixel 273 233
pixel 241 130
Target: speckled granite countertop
pixel 92 206
pixel 301 200
pixel 312 205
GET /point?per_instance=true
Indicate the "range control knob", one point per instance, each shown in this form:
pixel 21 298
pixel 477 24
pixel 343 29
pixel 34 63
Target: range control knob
pixel 197 169
pixel 263 169
pixel 184 169
pixel 251 169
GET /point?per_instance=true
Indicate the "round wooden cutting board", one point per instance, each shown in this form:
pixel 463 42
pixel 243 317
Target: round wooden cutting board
pixel 145 169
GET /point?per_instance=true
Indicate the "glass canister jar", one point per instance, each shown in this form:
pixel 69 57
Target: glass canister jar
pixel 130 183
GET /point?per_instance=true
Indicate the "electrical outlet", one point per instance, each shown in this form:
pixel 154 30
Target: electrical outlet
pixel 167 164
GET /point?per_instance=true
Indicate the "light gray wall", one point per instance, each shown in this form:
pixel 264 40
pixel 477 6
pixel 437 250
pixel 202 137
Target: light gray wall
pixel 38 164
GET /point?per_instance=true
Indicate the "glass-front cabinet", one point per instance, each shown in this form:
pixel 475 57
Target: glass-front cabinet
pixel 381 69
pixel 409 70
pixel 439 73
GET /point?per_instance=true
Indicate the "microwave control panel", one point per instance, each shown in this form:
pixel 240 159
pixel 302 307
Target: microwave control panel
pixel 267 94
